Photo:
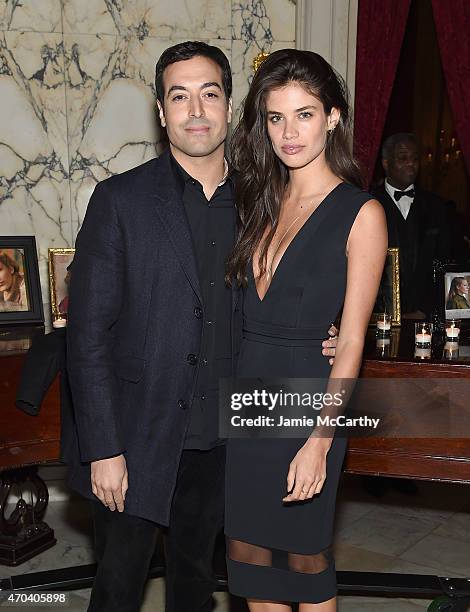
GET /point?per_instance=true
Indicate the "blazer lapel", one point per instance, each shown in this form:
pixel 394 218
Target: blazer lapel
pixel 170 209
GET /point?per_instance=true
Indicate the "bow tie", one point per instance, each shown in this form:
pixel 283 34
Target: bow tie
pixel 398 194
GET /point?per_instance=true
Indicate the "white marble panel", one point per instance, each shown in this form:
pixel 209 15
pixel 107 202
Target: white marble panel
pixel 243 55
pixel 263 20
pixel 90 17
pixel 31 15
pixel 34 190
pixel 177 19
pixel 111 109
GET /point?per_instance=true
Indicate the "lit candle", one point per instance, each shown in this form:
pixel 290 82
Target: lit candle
pixel 60 322
pixel 423 337
pixel 383 342
pixel 452 330
pixel 383 325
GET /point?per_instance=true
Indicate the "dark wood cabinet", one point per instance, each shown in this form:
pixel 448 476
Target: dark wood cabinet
pixel 24 439
pixel 446 459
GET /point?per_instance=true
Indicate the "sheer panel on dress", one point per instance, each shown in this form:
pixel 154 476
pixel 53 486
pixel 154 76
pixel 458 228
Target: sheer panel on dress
pixel 244 552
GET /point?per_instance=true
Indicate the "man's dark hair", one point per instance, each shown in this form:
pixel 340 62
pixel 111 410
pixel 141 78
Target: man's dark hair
pixel 388 147
pixel 188 50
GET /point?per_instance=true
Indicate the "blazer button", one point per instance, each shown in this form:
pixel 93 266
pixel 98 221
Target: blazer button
pixel 198 312
pixel 182 404
pixel 191 359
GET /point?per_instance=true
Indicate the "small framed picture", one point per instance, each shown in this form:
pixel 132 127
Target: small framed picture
pixel 388 296
pixel 60 261
pixel 20 288
pixel 452 296
pixel 456 292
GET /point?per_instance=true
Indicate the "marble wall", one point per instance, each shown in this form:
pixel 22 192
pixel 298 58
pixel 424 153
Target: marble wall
pixel 77 94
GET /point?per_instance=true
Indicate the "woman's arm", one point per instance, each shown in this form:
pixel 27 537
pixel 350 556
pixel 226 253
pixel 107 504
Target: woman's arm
pixel 366 250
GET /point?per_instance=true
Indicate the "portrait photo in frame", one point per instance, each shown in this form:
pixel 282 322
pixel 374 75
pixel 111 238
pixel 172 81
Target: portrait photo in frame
pixel 388 296
pixel 59 274
pixel 452 281
pixel 20 288
pixel 456 286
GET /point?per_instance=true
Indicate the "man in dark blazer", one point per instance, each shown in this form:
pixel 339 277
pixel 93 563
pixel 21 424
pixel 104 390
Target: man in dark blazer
pixel 151 328
pixel 417 224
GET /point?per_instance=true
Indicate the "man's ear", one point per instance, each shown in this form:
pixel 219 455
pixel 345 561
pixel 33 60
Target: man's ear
pixel 385 165
pixel 230 110
pixel 161 113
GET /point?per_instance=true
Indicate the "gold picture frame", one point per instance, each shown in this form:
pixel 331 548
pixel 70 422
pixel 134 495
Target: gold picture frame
pixel 388 297
pixel 58 260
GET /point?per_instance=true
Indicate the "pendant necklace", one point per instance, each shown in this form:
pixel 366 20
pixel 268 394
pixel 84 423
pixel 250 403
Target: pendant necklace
pixel 270 269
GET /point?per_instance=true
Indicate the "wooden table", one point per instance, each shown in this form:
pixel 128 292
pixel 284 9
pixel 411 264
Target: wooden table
pixel 440 459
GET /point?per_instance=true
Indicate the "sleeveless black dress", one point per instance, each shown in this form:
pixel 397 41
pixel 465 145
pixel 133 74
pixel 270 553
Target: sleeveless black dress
pixel 276 551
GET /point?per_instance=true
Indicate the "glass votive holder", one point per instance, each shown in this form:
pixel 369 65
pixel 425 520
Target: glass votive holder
pixel 384 324
pixel 453 330
pixel 451 350
pixel 422 352
pixel 423 334
pixel 382 346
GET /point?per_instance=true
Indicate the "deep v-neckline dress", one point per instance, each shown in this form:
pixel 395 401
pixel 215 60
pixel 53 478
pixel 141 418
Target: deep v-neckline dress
pixel 276 551
pixel 296 237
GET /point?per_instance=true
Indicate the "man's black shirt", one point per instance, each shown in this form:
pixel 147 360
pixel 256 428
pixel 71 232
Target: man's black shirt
pixel 212 226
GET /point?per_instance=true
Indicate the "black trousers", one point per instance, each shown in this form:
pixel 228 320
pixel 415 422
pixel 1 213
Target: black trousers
pixel 125 544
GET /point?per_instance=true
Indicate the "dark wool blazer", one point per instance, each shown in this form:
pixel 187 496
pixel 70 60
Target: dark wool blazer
pixel 133 320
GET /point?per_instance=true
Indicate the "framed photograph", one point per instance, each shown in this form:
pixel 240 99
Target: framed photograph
pixel 20 288
pixel 452 290
pixel 388 296
pixel 59 276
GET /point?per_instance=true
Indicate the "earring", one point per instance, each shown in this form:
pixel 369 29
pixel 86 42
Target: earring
pixel 331 130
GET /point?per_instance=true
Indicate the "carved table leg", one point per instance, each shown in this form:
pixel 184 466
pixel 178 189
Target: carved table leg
pixel 23 534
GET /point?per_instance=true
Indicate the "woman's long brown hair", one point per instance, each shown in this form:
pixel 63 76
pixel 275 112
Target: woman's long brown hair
pixel 262 176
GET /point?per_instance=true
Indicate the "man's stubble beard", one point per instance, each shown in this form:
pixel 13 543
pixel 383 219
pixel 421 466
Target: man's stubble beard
pixel 200 150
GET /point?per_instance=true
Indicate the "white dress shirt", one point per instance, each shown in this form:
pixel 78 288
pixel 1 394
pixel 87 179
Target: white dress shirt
pixel 405 202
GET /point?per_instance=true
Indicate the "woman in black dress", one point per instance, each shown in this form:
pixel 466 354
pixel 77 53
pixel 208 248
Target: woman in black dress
pixel 311 242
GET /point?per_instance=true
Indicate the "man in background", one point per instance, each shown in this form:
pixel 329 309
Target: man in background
pixel 418 224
